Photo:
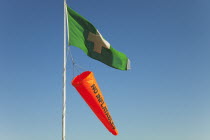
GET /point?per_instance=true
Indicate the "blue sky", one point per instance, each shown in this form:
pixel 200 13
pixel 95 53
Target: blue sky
pixel 165 96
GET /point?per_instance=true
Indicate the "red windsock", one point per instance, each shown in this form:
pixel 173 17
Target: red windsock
pixel 88 88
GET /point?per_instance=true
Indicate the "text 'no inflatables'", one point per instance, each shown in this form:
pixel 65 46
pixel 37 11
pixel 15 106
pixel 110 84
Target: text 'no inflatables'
pixel 88 88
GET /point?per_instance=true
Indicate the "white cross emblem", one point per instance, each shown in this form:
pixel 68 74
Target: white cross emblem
pixel 98 41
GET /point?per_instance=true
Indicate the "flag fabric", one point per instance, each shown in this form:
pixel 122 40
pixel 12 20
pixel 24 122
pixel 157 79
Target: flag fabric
pixel 82 34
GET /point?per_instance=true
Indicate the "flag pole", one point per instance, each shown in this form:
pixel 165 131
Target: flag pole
pixel 64 80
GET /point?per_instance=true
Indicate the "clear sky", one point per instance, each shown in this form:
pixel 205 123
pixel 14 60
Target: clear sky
pixel 165 96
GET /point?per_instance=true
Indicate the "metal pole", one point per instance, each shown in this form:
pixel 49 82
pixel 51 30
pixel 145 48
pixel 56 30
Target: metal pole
pixel 64 80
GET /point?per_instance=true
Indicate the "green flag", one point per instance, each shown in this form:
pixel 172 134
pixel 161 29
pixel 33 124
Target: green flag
pixel 84 35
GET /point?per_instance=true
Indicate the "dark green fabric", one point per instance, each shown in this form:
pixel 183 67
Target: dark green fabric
pixel 79 29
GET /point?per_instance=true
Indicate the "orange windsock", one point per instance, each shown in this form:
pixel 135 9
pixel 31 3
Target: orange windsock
pixel 88 88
